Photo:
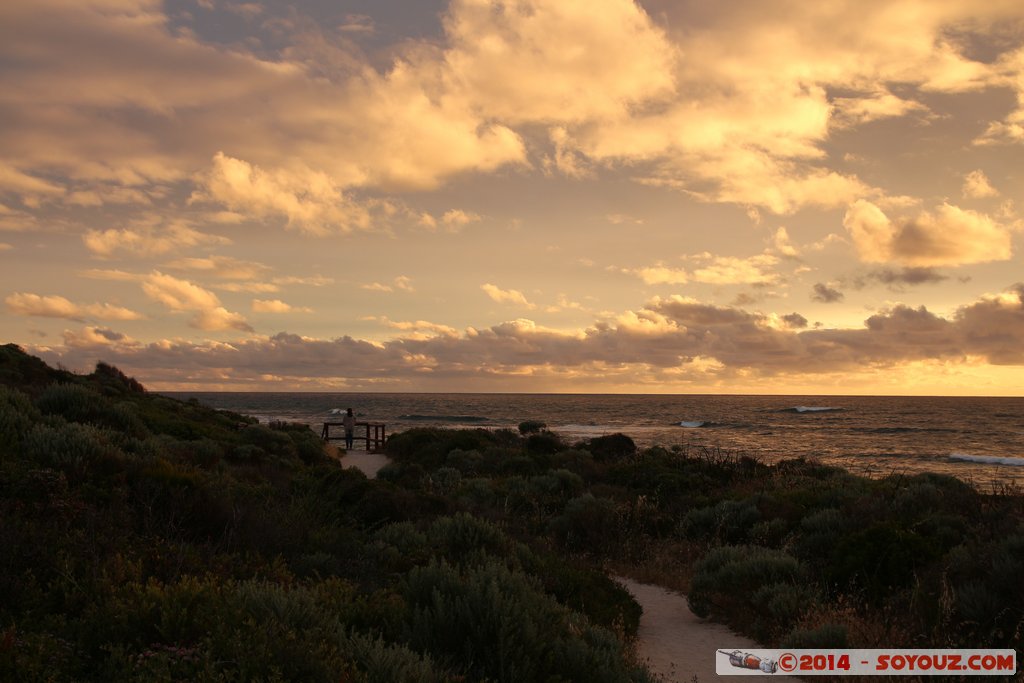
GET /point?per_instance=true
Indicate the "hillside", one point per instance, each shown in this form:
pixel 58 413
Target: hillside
pixel 148 539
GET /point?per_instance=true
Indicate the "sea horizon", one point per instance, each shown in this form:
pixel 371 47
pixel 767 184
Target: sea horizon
pixel 971 437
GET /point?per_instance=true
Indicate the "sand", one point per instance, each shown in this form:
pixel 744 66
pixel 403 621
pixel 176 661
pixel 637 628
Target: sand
pixel 674 642
pixel 677 644
pixel 368 463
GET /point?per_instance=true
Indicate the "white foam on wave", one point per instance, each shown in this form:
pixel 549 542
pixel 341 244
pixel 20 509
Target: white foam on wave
pixel 814 409
pixel 692 424
pixel 987 459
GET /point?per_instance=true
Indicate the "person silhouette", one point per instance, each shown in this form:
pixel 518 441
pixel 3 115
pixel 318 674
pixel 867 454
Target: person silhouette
pixel 349 422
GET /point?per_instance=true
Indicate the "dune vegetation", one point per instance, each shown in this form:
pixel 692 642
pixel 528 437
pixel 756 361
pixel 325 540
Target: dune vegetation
pixel 150 539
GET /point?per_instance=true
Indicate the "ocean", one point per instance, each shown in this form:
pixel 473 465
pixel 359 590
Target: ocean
pixel 976 439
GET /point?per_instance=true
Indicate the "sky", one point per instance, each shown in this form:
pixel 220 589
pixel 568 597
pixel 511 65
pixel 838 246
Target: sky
pixel 598 196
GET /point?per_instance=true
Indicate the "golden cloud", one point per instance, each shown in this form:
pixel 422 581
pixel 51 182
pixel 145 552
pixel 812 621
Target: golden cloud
pixel 948 237
pixel 506 296
pixel 59 307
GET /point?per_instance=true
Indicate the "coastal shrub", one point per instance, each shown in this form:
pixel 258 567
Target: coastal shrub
pixel 776 607
pixel 248 453
pixel 476 493
pixel 944 530
pixel 198 452
pixel 878 560
pixel 544 443
pixel 67 445
pixel 587 524
pixel 316 565
pixel 17 415
pixel 112 381
pixel 307 444
pixel 978 605
pixel 575 460
pixel 519 465
pixel 73 402
pixel 544 486
pixel 465 538
pixel 917 500
pixel 404 537
pixel 498 624
pixel 728 575
pixel 611 447
pixel 384 502
pixel 378 661
pixel 467 462
pixel 824 637
pixel 531 427
pixel 19 369
pixel 430 446
pixel 445 480
pixel 989 596
pixel 78 403
pixel 569 481
pixel 590 592
pixel 769 532
pixel 273 441
pixel 728 522
pixel 818 534
pixel 409 475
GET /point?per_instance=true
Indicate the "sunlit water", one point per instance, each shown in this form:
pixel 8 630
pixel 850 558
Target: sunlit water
pixel 977 439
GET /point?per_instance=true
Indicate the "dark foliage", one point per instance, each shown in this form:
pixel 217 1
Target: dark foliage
pixel 153 540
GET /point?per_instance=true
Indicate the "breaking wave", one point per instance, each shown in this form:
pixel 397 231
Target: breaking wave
pixel 987 459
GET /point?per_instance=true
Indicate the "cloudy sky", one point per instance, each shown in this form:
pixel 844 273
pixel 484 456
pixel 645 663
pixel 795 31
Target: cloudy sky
pixel 517 195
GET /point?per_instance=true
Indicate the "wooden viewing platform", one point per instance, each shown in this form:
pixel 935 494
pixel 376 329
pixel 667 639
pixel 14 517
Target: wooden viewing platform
pixel 373 443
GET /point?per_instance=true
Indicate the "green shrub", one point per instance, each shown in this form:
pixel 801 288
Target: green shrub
pixel 531 427
pixel 403 537
pixel 381 662
pixel 879 559
pixel 611 447
pixel 69 445
pixel 825 637
pixel 17 415
pixel 445 480
pixel 544 443
pixel 467 462
pixel 78 403
pixel 465 538
pixel 587 524
pixel 769 532
pixel 272 441
pixel 431 446
pixel 818 534
pixel 498 624
pixel 476 492
pixel 409 475
pixel 776 607
pixel 727 576
pixel 728 521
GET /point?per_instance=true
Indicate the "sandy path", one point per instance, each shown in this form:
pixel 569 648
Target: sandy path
pixel 368 463
pixel 676 643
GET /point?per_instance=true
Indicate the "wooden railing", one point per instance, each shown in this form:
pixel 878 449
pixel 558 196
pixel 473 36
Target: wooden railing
pixel 374 441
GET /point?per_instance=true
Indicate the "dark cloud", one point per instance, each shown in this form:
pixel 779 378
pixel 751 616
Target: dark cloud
pixel 675 338
pixel 826 294
pixel 898 279
pixel 795 321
